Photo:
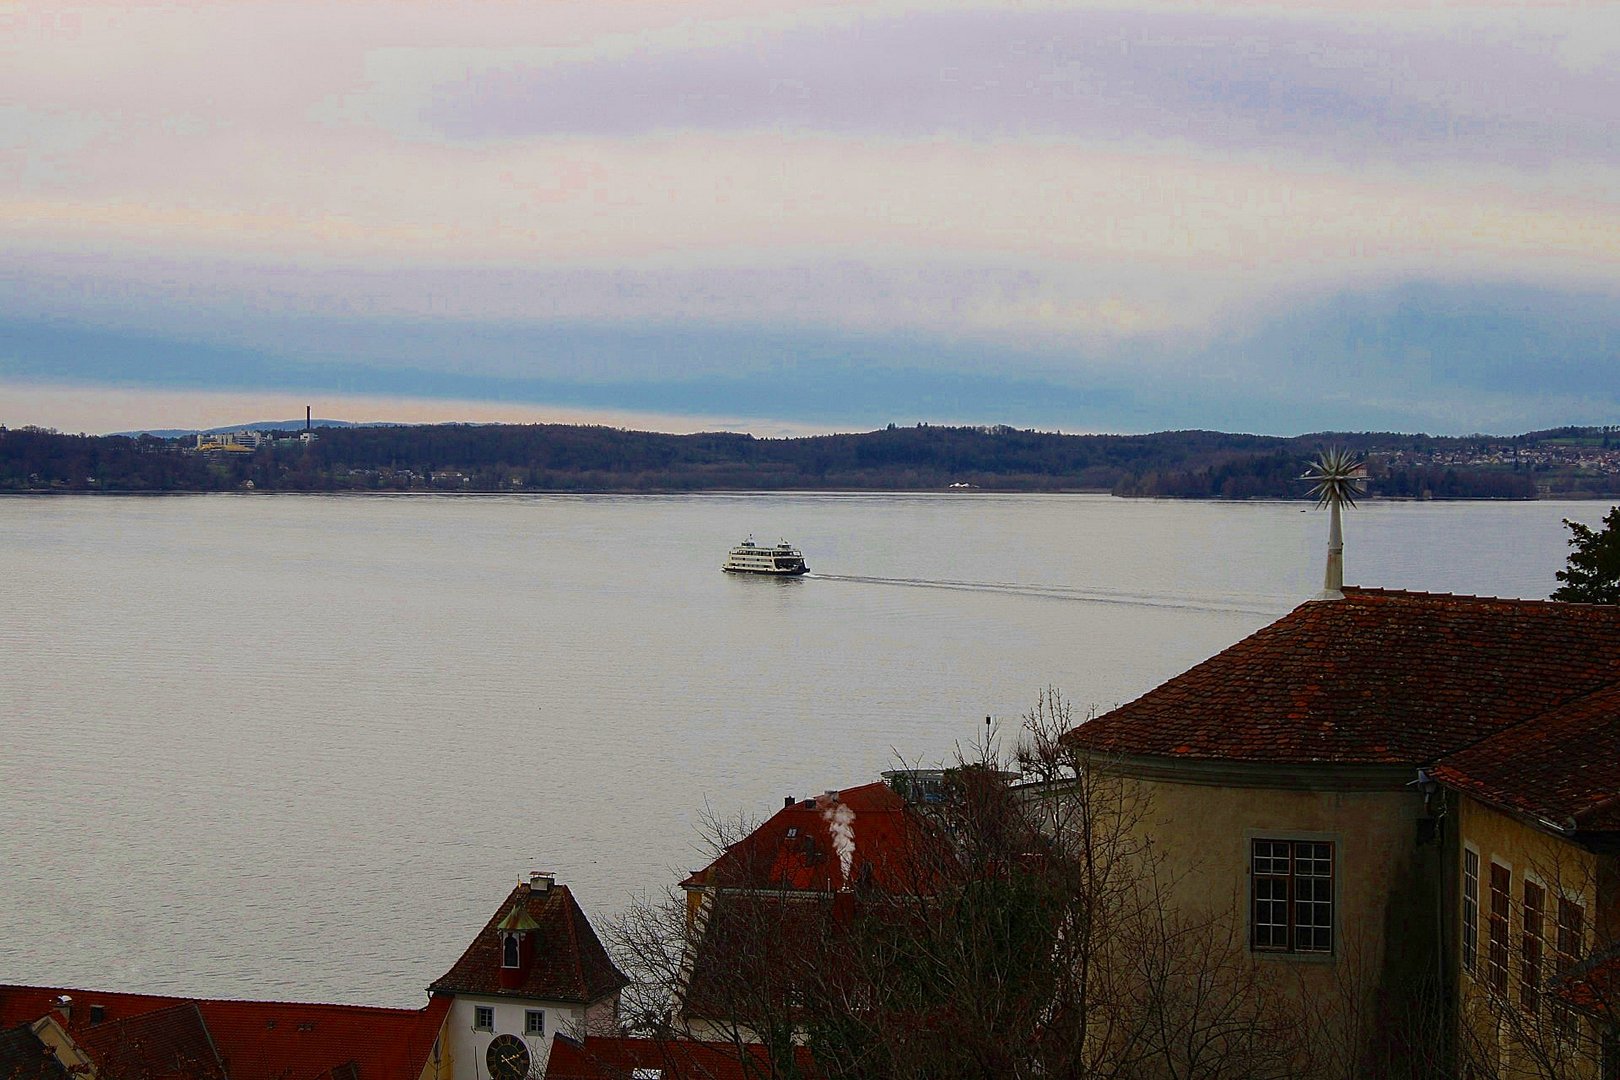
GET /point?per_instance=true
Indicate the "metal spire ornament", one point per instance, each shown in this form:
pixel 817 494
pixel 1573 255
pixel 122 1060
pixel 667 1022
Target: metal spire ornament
pixel 1338 476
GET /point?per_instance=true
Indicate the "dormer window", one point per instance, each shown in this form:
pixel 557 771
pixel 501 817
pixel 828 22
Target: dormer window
pixel 509 950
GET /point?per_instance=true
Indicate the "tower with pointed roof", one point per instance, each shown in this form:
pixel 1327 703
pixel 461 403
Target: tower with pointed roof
pixel 536 970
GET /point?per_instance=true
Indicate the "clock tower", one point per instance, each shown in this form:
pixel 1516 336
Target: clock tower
pixel 536 969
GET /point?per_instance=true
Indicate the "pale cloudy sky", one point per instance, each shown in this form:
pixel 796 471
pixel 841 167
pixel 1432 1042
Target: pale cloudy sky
pixel 808 215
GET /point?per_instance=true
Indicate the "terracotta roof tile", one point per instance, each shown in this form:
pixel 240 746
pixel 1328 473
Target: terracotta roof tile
pixel 1380 677
pixel 254 1040
pixel 568 961
pixel 165 1044
pixel 1562 767
pixel 752 945
pixel 604 1058
pixel 271 1040
pixel 794 849
pixel 24 1057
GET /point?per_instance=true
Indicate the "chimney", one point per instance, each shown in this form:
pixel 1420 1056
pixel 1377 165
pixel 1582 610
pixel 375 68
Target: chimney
pixel 541 880
pixel 788 801
pixel 64 1005
pixel 307 413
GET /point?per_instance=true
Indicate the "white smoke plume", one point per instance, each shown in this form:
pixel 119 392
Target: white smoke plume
pixel 841 826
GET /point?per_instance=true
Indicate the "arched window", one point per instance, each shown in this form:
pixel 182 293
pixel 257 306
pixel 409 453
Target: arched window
pixel 509 956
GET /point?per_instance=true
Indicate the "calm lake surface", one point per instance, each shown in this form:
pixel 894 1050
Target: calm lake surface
pixel 300 746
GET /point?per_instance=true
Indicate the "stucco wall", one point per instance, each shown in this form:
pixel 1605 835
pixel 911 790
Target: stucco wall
pixel 1387 919
pixel 1516 1042
pixel 468 1046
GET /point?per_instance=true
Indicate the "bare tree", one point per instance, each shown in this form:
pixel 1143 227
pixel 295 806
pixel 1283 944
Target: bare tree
pixel 1021 928
pixel 1540 997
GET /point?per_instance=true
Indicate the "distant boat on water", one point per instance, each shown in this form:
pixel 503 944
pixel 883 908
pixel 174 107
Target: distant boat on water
pixel 783 560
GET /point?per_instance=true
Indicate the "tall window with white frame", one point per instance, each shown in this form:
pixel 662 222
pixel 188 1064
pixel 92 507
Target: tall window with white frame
pixel 1496 953
pixel 1571 936
pixel 483 1018
pixel 1532 917
pixel 1291 896
pixel 1470 911
pixel 534 1022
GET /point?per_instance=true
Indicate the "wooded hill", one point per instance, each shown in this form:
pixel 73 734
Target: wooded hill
pixel 482 458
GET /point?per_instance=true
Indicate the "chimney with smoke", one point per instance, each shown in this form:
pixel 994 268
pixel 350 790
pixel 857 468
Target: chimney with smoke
pixel 840 821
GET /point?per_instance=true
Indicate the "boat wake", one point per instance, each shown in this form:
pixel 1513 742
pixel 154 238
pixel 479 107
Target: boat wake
pixel 1234 604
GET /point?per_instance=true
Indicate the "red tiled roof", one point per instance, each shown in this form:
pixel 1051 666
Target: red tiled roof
pixel 1594 987
pixel 1380 677
pixel 24 1057
pixel 1562 767
pixel 164 1044
pixel 25 1004
pixel 568 962
pixel 256 1040
pixel 604 1058
pixel 795 848
pixel 272 1040
pixel 752 948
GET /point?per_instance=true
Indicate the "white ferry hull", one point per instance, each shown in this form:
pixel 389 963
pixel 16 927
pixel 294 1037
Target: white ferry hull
pixel 783 560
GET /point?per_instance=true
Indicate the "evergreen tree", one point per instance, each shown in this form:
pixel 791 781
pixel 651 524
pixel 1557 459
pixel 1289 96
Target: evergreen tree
pixel 1593 573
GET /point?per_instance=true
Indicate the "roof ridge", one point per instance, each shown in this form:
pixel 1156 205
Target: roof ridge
pixel 1521 725
pixel 1423 594
pixel 178 999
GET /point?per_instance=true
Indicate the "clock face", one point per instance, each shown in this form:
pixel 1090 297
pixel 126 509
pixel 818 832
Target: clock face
pixel 508 1058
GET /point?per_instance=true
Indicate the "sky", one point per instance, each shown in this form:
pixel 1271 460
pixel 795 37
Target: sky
pixel 787 216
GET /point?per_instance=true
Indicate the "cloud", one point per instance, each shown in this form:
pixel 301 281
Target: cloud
pixel 1126 214
pixel 1231 82
pixel 1426 356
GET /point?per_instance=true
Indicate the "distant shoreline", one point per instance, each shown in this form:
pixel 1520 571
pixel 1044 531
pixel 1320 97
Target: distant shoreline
pixel 906 492
pixel 1574 463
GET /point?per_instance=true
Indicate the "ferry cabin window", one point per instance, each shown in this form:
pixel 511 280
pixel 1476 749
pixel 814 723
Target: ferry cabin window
pixel 1291 896
pixel 483 1018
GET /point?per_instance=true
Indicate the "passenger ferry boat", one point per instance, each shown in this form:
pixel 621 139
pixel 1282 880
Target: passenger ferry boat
pixel 750 558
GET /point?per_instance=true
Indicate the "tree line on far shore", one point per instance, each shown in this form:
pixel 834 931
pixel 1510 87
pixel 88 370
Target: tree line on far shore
pixel 551 457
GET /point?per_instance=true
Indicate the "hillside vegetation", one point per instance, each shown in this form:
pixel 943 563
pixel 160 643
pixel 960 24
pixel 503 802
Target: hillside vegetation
pixel 482 458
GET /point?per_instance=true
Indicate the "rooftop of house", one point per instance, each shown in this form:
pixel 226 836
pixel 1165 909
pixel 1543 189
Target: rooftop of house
pixel 171 1043
pixel 1561 768
pixel 798 847
pixel 753 943
pixel 565 961
pixel 199 1038
pixel 611 1058
pixel 24 1057
pixel 1594 987
pixel 1379 677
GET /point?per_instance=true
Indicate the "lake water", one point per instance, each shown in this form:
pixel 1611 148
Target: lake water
pixel 300 746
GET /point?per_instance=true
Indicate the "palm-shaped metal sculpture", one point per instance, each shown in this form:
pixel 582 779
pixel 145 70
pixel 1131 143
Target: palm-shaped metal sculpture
pixel 1338 476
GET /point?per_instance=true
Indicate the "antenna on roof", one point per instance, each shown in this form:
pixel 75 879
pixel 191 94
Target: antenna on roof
pixel 1338 476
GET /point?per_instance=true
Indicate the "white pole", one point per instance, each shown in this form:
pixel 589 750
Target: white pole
pixel 1333 578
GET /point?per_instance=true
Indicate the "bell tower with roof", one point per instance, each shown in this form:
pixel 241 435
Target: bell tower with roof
pixel 536 969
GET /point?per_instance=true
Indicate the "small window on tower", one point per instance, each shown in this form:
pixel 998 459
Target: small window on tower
pixel 509 957
pixel 484 1018
pixel 534 1022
